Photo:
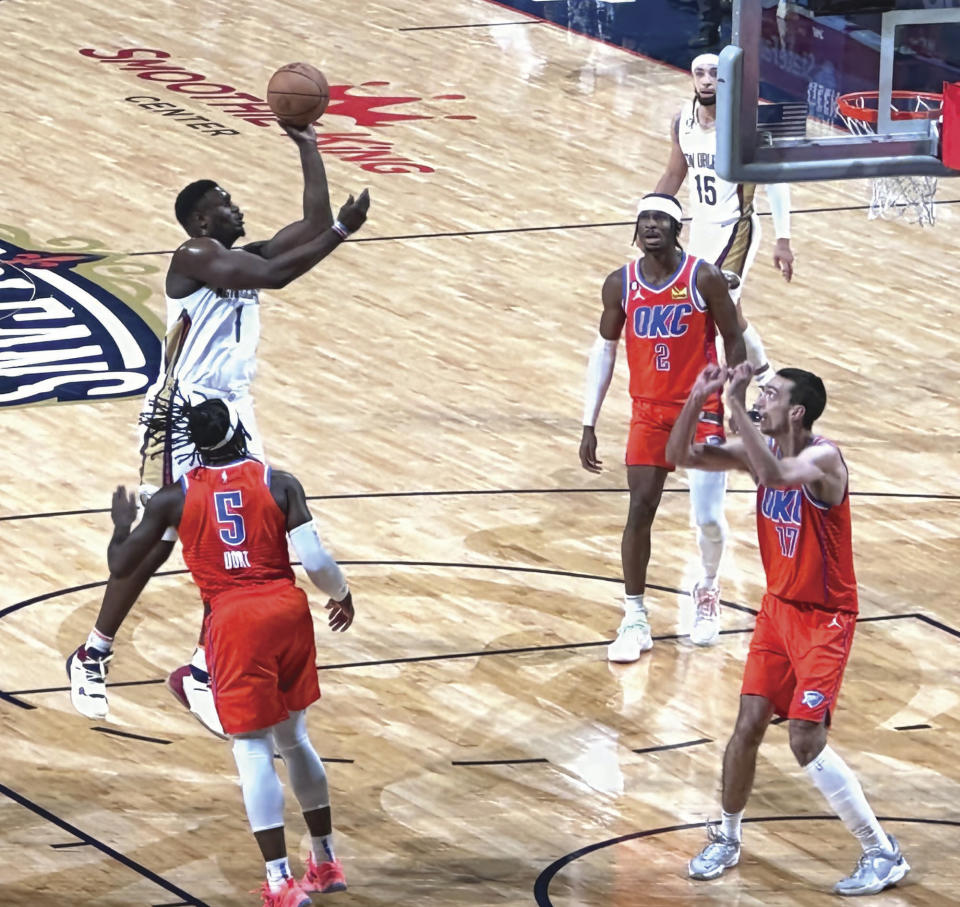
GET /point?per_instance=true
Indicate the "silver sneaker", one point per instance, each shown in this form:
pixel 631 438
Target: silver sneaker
pixel 719 855
pixel 706 620
pixel 633 638
pixel 875 870
pixel 88 682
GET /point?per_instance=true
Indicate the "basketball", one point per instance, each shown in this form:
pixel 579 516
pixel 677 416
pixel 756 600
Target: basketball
pixel 298 93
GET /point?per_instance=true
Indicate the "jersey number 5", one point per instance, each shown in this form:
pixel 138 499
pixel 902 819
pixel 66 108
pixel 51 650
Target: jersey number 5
pixel 232 530
pixel 706 190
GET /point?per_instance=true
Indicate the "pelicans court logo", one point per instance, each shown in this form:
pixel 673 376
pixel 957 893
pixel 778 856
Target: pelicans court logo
pixel 68 337
pixel 370 105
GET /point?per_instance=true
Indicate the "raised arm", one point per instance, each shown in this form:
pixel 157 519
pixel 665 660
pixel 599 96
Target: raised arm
pixel 600 365
pixel 206 261
pixel 317 215
pixel 128 549
pixel 681 451
pixel 715 292
pixel 820 467
pixel 676 171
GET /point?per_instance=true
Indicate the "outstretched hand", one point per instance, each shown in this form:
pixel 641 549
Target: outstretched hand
pixel 302 135
pixel 341 613
pixel 123 508
pixel 354 212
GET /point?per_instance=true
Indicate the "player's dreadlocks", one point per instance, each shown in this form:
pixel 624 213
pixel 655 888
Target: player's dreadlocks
pixel 208 431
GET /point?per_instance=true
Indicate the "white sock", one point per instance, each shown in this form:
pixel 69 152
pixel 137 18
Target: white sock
pixel 323 848
pixel 842 791
pixel 278 871
pixel 99 641
pixel 633 606
pixel 730 824
pixel 756 355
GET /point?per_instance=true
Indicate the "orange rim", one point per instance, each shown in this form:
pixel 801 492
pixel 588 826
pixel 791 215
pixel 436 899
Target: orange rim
pixel 851 105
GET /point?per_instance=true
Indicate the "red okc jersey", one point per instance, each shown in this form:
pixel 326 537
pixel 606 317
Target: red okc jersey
pixel 234 535
pixel 671 336
pixel 806 546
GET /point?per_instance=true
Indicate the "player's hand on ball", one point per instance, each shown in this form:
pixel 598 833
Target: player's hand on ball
pixel 123 509
pixel 302 135
pixel 354 211
pixel 341 613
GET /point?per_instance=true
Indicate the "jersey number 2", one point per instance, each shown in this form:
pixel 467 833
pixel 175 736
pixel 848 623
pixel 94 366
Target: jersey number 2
pixel 662 362
pixel 706 190
pixel 232 530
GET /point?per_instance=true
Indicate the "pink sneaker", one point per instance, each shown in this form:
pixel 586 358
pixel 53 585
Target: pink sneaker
pixel 291 895
pixel 323 877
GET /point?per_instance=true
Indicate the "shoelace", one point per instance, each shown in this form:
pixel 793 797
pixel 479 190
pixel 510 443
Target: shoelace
pixel 96 668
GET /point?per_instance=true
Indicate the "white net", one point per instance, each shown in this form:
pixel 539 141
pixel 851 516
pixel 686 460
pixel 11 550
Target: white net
pixel 893 197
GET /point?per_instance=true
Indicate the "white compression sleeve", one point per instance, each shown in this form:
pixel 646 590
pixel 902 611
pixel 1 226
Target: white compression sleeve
pixel 603 355
pixel 323 570
pixel 262 791
pixel 778 195
pixel 308 778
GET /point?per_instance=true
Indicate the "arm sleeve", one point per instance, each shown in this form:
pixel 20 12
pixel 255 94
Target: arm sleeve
pixel 778 195
pixel 323 570
pixel 603 355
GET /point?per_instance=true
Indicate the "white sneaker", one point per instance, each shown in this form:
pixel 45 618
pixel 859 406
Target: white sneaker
pixel 875 870
pixel 88 682
pixel 720 854
pixel 191 686
pixel 706 621
pixel 633 638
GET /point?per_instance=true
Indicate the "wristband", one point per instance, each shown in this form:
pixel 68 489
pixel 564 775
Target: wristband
pixel 340 229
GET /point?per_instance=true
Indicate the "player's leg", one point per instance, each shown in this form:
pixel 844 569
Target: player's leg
pixel 739 766
pixel 768 681
pixel 823 641
pixel 646 487
pixel 247 635
pixel 308 778
pixel 263 802
pixel 707 491
pixel 87 666
pixel 297 673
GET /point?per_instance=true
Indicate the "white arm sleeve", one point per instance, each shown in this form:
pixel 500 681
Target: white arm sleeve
pixel 603 355
pixel 778 195
pixel 323 570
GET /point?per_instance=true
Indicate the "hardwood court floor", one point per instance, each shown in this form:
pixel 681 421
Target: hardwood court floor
pixel 425 383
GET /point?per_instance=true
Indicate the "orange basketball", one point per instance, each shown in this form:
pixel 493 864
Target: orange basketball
pixel 298 93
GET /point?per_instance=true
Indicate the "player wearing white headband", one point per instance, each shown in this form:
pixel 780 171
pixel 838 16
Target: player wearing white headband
pixel 669 305
pixel 725 230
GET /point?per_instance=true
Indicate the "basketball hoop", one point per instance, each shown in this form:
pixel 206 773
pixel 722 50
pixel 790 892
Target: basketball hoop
pixel 895 196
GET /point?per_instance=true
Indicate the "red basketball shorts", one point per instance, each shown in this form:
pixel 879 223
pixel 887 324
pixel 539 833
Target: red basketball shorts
pixel 261 655
pixel 797 657
pixel 650 425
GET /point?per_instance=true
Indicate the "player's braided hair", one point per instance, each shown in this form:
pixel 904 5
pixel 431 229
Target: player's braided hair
pixel 189 198
pixel 200 431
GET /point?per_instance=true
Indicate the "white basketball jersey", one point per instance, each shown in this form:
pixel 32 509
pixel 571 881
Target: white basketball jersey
pixel 212 338
pixel 712 199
